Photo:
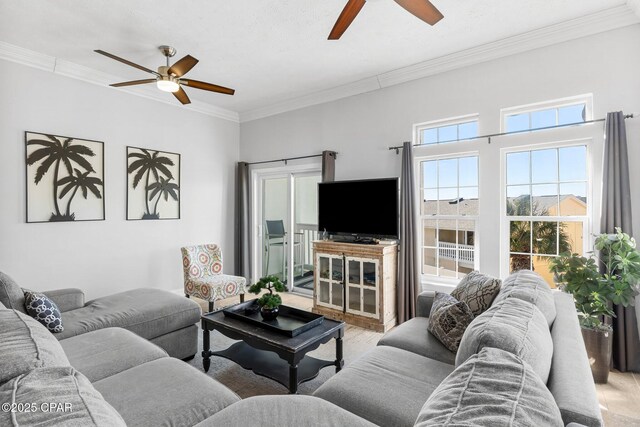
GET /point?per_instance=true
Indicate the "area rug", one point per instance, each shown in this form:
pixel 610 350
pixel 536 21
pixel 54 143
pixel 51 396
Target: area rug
pixel 245 383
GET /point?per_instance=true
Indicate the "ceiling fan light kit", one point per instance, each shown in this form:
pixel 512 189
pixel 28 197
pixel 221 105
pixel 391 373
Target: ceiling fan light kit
pixel 168 78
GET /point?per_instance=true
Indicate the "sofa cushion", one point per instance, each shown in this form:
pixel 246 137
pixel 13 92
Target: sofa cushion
pixel 146 312
pixel 106 352
pixel 26 345
pixel 386 386
pixel 515 326
pixel 448 320
pixel 44 310
pixel 477 290
pixel 291 410
pixel 11 295
pixel 165 391
pixel 411 336
pixel 529 286
pixel 492 388
pixel 56 396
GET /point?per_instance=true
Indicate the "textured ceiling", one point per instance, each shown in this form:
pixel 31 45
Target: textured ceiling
pixel 269 50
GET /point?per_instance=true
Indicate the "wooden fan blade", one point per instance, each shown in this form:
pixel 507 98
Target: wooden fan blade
pixel 124 61
pixel 183 66
pixel 182 96
pixel 207 86
pixel 345 19
pixel 422 9
pixel 133 83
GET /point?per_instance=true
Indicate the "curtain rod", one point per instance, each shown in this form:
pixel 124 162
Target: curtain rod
pixel 627 116
pixel 285 160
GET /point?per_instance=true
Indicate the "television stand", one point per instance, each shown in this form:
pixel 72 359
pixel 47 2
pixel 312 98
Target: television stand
pixel 356 283
pixel 355 239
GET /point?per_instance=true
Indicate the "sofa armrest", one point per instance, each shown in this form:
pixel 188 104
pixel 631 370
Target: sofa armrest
pixel 424 303
pixel 67 299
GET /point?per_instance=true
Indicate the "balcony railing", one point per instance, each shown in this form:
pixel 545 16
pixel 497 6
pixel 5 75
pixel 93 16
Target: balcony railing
pixel 465 253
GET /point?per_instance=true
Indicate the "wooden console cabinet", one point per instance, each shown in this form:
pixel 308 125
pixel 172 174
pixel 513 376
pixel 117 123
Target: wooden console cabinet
pixel 356 283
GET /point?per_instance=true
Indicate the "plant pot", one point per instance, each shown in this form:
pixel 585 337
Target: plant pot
pixel 599 345
pixel 269 313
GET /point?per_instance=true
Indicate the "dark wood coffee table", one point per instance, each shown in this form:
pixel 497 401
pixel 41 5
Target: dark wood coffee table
pixel 270 353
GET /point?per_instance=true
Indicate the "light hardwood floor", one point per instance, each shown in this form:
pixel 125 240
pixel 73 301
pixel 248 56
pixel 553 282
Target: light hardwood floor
pixel 619 399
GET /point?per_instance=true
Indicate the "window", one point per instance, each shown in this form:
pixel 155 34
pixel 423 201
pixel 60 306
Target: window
pixel 543 115
pixel 546 205
pixel 449 210
pixel 449 130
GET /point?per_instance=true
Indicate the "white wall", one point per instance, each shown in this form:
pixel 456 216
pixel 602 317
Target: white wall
pixel 361 127
pixel 114 255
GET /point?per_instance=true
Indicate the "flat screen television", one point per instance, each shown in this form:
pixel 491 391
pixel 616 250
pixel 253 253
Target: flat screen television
pixel 367 208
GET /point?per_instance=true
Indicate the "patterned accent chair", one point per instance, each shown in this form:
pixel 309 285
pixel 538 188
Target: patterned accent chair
pixel 203 278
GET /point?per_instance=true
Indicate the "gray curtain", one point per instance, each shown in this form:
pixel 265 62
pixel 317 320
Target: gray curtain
pixel 242 260
pixel 616 212
pixel 408 275
pixel 328 166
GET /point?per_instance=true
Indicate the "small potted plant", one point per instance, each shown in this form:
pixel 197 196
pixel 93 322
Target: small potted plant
pixel 597 283
pixel 269 302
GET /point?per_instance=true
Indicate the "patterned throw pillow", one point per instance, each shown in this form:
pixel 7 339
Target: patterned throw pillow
pixel 45 311
pixel 448 320
pixel 477 290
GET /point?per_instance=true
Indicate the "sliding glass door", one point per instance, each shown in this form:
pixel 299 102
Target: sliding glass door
pixel 286 224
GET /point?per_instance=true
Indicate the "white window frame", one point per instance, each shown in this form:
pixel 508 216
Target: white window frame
pixel 505 249
pixel 459 120
pixel 586 99
pixel 445 283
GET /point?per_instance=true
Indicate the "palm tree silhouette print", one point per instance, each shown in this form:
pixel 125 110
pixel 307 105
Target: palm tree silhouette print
pixel 146 164
pixel 163 188
pixel 81 180
pixel 55 152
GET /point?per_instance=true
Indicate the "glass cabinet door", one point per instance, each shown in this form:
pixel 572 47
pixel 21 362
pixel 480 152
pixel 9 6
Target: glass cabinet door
pixel 329 290
pixel 362 286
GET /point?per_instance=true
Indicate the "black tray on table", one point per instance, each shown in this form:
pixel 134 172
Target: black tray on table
pixel 290 321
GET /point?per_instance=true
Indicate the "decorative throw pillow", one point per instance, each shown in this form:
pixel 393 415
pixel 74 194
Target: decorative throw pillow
pixel 45 311
pixel 477 290
pixel 448 320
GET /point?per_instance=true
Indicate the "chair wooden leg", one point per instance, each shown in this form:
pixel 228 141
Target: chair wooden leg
pixel 210 306
pixel 241 297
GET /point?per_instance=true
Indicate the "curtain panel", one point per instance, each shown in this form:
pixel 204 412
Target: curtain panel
pixel 242 253
pixel 408 272
pixel 616 212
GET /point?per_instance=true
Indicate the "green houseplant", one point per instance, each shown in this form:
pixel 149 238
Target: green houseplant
pixel 269 302
pixel 596 283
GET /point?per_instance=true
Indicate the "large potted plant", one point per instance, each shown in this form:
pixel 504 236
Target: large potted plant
pixel 269 302
pixel 610 275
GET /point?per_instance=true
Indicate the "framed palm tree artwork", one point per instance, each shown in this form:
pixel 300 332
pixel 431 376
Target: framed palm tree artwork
pixel 153 184
pixel 65 178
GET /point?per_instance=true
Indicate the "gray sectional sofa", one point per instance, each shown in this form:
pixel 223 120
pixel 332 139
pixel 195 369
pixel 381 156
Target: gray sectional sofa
pixel 164 318
pixel 113 376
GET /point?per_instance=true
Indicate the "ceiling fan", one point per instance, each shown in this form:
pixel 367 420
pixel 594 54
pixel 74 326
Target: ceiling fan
pixel 169 78
pixel 422 9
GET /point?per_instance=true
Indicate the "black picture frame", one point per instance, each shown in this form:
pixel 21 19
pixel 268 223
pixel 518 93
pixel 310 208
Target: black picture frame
pixel 159 172
pixel 74 167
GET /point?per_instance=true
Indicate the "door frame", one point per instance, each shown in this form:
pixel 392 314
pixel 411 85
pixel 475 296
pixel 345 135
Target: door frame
pixel 256 226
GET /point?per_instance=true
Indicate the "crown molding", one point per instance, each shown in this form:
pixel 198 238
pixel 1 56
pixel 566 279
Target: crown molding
pixel 356 88
pixel 605 20
pixel 79 72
